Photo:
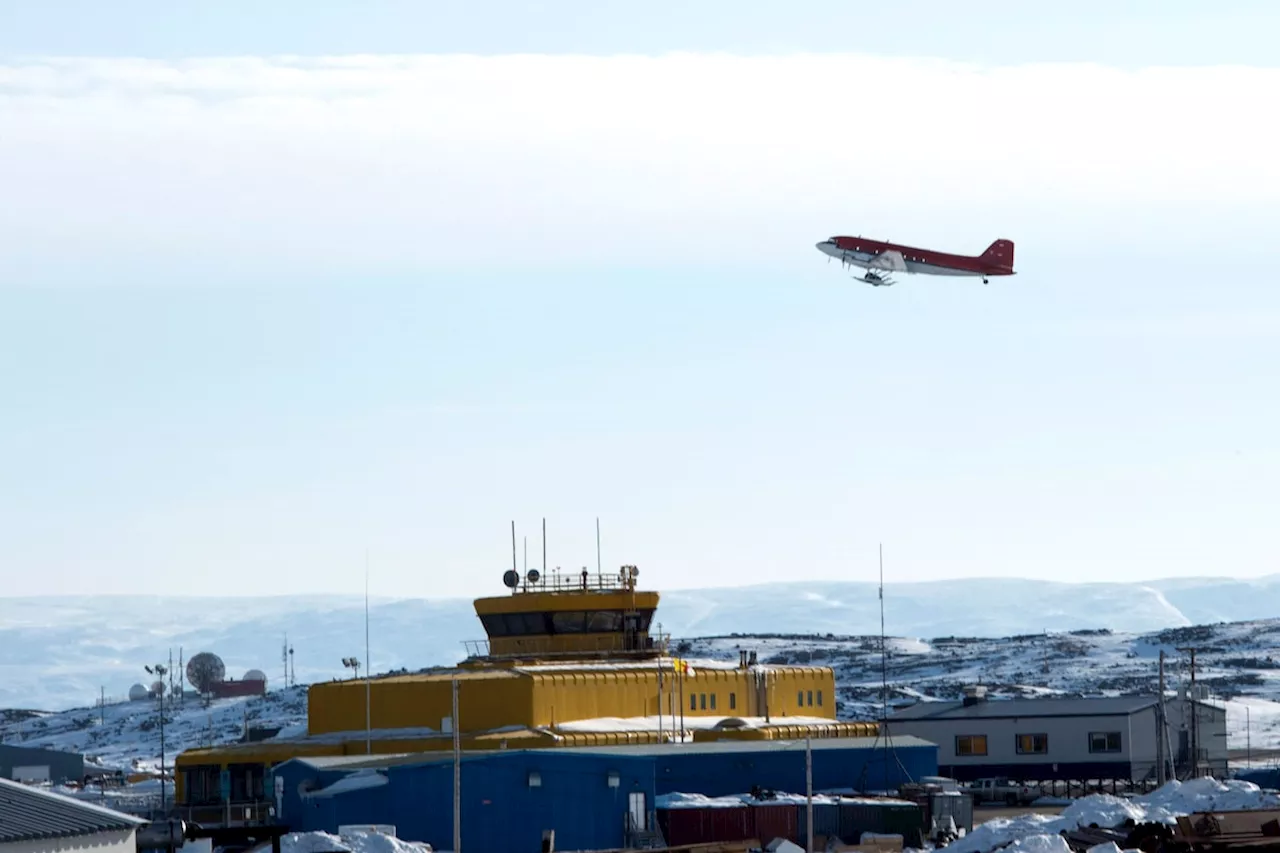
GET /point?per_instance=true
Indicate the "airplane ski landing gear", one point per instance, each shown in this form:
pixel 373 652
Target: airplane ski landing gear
pixel 876 281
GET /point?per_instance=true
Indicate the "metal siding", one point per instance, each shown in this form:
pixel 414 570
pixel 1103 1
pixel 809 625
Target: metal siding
pixel 703 825
pixel 856 818
pixel 958 807
pixel 718 775
pixel 776 822
pixel 499 809
pixel 63 766
pixel 826 820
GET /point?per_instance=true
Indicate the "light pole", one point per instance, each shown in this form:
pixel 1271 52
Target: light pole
pixel 159 671
pixel 352 664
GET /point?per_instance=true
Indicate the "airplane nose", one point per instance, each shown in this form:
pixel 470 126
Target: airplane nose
pixel 828 247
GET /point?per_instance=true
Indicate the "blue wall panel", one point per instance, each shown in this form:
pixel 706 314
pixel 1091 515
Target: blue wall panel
pixel 500 810
pixel 717 775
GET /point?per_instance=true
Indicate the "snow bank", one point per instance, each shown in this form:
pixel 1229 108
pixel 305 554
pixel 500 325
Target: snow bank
pixel 356 842
pixel 1038 833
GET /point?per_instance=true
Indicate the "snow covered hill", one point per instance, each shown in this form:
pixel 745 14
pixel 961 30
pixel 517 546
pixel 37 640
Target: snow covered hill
pixel 60 652
pixel 1239 661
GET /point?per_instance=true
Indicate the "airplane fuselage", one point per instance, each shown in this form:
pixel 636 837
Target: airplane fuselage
pixel 877 255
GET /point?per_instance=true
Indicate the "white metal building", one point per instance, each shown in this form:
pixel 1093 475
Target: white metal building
pixel 33 820
pixel 1073 739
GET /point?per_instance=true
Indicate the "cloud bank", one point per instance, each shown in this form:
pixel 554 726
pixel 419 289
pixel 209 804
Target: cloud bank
pixel 430 161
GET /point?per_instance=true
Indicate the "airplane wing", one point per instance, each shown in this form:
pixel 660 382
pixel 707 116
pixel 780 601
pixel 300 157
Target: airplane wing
pixel 890 261
pixel 884 263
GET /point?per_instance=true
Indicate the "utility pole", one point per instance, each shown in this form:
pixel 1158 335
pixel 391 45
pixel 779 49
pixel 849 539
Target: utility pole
pixel 1160 728
pixel 1195 722
pixel 808 795
pixel 457 773
pixel 102 706
pixel 159 671
pixel 368 688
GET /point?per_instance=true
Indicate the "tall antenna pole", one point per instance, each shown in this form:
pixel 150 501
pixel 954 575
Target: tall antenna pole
pixel 808 794
pixel 457 773
pixel 1195 722
pixel 599 567
pixel 884 674
pixel 513 545
pixel 526 554
pixel 368 687
pixel 544 546
pixel 1160 729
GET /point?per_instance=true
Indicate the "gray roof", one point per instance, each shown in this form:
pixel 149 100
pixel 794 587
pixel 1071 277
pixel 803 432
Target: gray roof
pixel 1003 709
pixel 358 762
pixel 31 814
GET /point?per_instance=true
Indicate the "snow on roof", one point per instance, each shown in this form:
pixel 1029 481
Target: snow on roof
pixel 352 762
pixel 712 747
pixel 666 664
pixel 357 781
pixel 732 801
pixel 651 724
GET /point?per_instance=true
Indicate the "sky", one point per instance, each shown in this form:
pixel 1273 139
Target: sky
pixel 290 291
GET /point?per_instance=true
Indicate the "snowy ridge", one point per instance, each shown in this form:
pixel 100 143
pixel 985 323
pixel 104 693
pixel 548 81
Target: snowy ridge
pixel 1239 662
pixel 59 652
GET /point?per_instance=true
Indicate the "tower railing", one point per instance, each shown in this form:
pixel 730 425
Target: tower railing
pixel 557 580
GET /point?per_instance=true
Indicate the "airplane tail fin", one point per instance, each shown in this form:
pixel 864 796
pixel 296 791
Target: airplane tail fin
pixel 999 253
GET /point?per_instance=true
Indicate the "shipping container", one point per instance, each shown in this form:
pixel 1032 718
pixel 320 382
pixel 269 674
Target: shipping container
pixel 905 819
pixel 826 821
pixel 777 821
pixel 959 807
pixel 703 825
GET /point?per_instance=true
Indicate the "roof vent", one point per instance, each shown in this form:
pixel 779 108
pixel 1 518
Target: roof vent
pixel 974 694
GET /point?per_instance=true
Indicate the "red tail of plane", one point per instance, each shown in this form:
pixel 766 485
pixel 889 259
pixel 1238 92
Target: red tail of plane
pixel 999 254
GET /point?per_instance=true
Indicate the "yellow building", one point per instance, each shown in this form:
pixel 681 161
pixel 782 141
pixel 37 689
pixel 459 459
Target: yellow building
pixel 569 661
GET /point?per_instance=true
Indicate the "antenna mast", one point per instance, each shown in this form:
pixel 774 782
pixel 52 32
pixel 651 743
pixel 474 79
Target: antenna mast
pixel 884 674
pixel 513 545
pixel 599 567
pixel 368 688
pixel 544 545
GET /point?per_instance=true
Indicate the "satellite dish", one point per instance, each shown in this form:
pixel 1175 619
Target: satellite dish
pixel 511 578
pixel 205 670
pixel 533 577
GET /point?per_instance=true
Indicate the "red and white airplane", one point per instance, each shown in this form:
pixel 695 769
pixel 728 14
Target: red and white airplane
pixel 879 259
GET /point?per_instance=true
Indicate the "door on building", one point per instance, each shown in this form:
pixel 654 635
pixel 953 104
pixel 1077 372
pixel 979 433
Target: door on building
pixel 638 813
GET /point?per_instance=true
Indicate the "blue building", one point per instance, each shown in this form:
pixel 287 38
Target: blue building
pixel 590 797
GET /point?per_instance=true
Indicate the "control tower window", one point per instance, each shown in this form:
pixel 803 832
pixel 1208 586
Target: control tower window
pixel 604 621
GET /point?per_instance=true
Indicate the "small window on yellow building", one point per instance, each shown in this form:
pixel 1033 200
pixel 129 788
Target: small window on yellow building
pixel 733 701
pixel 810 698
pixel 693 701
pixel 713 701
pixel 819 698
pixel 800 698
pixel 703 700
